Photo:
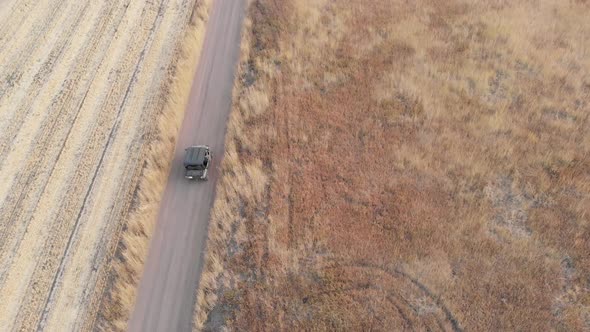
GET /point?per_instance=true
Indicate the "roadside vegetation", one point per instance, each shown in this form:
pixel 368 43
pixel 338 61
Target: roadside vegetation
pixel 123 280
pixel 408 165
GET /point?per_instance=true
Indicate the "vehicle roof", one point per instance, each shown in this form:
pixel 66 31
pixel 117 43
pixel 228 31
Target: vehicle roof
pixel 195 155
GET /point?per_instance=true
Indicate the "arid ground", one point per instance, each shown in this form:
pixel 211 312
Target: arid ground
pixel 405 165
pixel 83 87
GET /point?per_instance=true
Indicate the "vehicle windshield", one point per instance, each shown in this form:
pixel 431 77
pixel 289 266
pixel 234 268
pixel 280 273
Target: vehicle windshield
pixel 196 158
pixel 196 167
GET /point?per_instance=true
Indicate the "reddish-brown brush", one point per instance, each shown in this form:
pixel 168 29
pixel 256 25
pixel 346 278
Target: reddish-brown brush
pixel 397 165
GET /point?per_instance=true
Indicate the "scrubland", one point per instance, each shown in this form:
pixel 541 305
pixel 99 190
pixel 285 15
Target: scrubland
pixel 405 165
pixel 89 110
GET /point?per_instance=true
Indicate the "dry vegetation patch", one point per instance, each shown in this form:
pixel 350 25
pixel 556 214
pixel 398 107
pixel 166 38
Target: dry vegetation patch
pixel 417 165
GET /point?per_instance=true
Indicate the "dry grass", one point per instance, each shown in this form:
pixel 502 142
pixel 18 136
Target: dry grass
pixel 237 179
pixel 417 165
pixel 120 298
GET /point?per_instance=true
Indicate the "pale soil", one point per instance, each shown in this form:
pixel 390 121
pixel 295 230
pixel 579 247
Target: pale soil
pixel 81 83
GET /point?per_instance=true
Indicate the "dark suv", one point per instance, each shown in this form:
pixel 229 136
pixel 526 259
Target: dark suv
pixel 196 162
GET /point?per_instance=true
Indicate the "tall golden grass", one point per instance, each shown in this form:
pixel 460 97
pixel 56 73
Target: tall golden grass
pixel 237 180
pixel 127 268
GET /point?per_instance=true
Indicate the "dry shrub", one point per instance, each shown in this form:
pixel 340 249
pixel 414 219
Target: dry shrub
pixel 119 300
pixel 420 165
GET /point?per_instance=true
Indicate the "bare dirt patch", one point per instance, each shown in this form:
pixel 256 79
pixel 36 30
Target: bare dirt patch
pixel 417 165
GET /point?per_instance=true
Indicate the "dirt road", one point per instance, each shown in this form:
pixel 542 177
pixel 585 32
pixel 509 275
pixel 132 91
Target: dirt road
pixel 166 294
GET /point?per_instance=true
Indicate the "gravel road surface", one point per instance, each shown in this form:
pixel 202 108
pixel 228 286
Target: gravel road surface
pixel 167 290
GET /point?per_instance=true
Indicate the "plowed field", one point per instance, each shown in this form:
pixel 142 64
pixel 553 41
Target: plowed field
pixel 81 83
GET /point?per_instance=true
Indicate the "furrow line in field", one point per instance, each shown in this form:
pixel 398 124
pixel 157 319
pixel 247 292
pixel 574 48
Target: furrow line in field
pixel 32 33
pixel 62 234
pixel 119 199
pixel 29 263
pixel 12 18
pixel 108 202
pixel 128 192
pixel 53 114
pixel 32 173
pixel 117 218
pixel 80 84
pixel 16 212
pixel 35 85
